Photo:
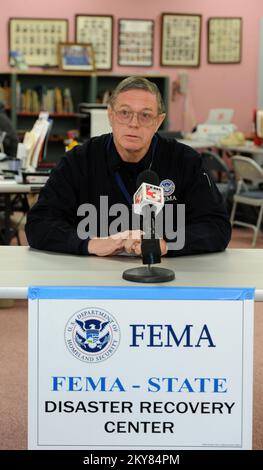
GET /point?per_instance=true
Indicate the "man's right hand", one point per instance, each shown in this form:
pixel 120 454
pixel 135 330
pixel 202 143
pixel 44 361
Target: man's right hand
pixel 114 244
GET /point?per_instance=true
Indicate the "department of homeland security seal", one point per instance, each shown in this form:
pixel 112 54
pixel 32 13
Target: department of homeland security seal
pixel 168 187
pixel 92 335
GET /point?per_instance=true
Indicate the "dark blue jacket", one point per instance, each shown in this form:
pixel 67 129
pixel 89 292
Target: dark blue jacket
pixel 89 171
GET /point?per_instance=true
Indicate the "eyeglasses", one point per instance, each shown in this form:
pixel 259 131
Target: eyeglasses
pixel 125 116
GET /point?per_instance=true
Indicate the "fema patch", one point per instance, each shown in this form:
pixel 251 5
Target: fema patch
pixel 168 187
pixel 92 335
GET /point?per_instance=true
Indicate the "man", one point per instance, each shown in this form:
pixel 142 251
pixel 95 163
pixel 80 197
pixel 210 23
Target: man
pixel 106 168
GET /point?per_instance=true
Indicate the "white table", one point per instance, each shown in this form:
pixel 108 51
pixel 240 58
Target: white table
pixel 21 267
pixel 197 144
pixel 249 147
pixel 7 187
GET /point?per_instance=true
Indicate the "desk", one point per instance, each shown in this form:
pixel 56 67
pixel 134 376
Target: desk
pixel 255 151
pixel 197 144
pixel 248 148
pixel 21 267
pixel 8 190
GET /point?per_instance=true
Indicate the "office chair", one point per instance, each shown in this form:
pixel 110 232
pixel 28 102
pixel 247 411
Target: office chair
pixel 10 203
pixel 171 134
pixel 221 174
pixel 2 138
pixel 249 175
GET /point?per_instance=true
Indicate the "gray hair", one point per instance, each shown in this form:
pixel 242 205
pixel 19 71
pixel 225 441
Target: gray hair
pixel 137 83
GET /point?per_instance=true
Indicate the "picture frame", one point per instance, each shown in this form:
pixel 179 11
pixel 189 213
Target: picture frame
pixel 224 40
pixel 180 40
pixel 135 42
pixel 76 56
pixel 37 39
pixel 97 30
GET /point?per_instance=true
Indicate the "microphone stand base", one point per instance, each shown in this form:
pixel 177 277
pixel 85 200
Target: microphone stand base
pixel 148 274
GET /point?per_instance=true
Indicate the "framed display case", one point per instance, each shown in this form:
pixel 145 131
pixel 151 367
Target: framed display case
pixel 180 40
pixel 75 56
pixel 136 42
pixel 37 39
pixel 224 40
pixel 97 30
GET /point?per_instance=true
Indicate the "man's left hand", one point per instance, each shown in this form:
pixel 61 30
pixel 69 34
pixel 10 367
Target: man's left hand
pixel 133 246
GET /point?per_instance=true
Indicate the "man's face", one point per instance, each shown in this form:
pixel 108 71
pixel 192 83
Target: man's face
pixel 134 120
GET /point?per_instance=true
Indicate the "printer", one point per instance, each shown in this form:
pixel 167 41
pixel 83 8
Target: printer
pixel 217 126
pixel 93 120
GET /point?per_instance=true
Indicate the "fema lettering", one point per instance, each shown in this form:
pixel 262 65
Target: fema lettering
pixel 165 336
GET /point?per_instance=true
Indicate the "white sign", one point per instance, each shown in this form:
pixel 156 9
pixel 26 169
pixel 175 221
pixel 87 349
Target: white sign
pixel 131 368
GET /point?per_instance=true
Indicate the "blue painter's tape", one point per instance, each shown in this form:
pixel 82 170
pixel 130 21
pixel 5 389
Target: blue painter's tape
pixel 140 293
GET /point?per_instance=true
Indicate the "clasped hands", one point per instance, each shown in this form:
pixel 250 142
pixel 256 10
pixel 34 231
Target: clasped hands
pixel 128 241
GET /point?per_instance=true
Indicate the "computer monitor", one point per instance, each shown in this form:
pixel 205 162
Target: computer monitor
pixel 93 120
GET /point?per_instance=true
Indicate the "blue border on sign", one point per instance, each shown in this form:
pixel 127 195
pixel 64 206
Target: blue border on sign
pixel 140 293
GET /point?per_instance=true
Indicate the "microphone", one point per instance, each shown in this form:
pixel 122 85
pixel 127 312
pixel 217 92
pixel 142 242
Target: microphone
pixel 148 201
pixel 148 193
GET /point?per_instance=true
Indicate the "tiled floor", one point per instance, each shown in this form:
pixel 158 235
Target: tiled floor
pixel 242 238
